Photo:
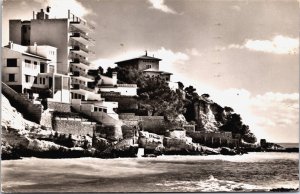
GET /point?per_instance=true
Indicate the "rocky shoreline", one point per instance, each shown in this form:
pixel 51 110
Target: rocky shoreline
pixel 22 138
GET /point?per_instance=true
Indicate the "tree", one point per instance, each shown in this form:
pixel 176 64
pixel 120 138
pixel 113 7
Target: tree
pixel 205 95
pixel 235 125
pixel 180 85
pixel 228 109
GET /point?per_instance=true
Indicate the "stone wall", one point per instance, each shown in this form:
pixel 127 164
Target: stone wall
pixel 73 126
pixel 46 119
pixel 153 124
pixel 214 139
pixel 189 128
pixel 59 106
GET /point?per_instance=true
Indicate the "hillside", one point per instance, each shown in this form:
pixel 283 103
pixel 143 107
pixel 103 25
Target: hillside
pixel 157 98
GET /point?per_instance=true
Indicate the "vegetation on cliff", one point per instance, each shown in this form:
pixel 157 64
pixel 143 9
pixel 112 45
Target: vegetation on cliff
pixel 157 98
pixel 154 95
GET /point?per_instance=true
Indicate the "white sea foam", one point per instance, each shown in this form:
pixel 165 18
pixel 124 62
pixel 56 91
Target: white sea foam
pixel 209 185
pixel 251 157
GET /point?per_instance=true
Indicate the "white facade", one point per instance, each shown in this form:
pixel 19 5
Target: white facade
pixel 20 68
pixel 109 84
pixel 33 69
pixel 99 110
pixel 108 81
pixel 69 35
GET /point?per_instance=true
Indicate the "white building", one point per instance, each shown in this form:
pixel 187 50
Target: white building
pixel 32 69
pixel 70 37
pixel 107 84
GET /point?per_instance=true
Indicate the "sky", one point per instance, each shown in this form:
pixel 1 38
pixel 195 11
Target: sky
pixel 245 54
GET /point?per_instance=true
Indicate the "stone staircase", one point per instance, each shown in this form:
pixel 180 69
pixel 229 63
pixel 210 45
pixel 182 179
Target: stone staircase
pixel 30 111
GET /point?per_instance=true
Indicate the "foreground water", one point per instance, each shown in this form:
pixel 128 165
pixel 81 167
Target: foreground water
pixel 249 172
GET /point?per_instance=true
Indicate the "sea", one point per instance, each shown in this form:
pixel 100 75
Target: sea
pixel 214 173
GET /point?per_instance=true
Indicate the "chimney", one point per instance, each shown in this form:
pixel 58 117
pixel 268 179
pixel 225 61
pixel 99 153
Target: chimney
pixel 114 78
pixel 48 9
pixel 40 15
pixel 35 47
pixel 11 44
pixel 33 14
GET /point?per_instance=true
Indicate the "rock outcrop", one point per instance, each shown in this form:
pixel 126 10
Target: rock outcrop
pixel 21 137
pixel 149 141
pixel 175 143
pixel 211 117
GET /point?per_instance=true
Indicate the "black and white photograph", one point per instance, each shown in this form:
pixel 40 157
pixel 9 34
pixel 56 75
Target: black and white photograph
pixel 155 96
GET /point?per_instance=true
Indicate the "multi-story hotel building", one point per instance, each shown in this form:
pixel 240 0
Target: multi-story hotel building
pixel 70 37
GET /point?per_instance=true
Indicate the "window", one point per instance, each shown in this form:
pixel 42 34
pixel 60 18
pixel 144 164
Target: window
pixel 95 109
pixel 27 63
pixel 11 62
pixel 35 80
pixel 148 66
pixel 27 78
pixel 11 77
pixel 105 110
pixel 40 80
pixel 44 81
pixel 35 65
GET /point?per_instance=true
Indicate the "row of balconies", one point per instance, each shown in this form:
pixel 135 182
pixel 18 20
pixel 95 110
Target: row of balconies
pixel 80 86
pixel 81 73
pixel 80 60
pixel 82 38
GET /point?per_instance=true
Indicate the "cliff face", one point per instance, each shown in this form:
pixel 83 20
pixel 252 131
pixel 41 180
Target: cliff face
pixel 21 137
pixel 211 117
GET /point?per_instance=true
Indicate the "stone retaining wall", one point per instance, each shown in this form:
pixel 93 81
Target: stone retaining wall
pixel 59 106
pixel 73 126
pixel 153 124
pixel 214 139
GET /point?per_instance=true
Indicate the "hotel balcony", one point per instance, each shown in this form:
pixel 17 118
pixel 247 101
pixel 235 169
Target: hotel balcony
pixel 81 87
pixel 80 50
pixel 79 67
pixel 81 80
pixel 82 38
pixel 79 23
pixel 80 61
pixel 82 74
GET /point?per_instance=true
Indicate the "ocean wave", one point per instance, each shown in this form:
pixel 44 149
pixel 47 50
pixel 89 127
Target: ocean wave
pixel 250 157
pixel 213 184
